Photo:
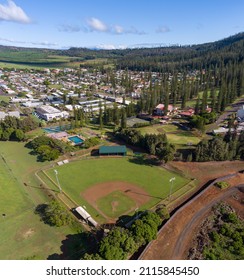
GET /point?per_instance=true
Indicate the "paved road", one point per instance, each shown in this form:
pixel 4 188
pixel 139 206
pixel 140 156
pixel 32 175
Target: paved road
pixel 227 113
pixel 179 245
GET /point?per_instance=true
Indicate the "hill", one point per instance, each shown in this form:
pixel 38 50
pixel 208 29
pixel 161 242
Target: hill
pixel 155 59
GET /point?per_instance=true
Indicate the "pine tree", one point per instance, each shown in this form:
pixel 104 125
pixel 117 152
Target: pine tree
pixel 197 106
pixel 123 119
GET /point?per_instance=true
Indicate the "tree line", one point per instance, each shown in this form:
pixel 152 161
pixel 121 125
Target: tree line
pixel 14 129
pixel 120 243
pixel 48 149
pixel 154 144
pixel 230 147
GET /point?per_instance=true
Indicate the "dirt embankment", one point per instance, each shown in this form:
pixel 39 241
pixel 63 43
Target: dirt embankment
pixel 174 240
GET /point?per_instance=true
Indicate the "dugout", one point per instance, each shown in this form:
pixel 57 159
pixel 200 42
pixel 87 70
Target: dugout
pixel 112 151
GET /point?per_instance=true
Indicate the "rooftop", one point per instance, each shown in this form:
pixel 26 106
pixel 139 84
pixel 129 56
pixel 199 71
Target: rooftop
pixel 112 150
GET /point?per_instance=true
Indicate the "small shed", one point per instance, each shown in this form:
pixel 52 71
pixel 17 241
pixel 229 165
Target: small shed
pixel 112 150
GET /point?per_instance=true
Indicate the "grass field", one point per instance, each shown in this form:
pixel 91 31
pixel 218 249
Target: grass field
pixel 78 176
pixel 22 234
pixel 115 204
pixel 174 134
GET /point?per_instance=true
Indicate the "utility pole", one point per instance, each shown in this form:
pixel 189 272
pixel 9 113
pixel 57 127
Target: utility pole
pixel 56 173
pixel 171 180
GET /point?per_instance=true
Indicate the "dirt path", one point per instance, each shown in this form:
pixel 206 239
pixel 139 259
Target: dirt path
pixel 174 238
pixel 179 248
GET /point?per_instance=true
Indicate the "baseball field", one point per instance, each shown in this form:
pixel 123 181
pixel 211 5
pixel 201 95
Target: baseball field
pixel 111 187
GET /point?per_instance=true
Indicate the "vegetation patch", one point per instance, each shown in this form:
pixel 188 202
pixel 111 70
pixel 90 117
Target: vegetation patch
pixel 222 185
pixel 120 243
pixel 221 236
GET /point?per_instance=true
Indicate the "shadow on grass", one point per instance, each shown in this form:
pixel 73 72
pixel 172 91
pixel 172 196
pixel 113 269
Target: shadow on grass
pixel 75 246
pixel 125 220
pixel 143 194
pixel 143 160
pixel 41 187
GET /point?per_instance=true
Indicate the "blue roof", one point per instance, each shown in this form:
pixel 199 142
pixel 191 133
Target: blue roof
pixel 112 150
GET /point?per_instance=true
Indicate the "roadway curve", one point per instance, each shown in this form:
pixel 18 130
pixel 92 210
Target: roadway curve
pixel 179 245
pixel 175 236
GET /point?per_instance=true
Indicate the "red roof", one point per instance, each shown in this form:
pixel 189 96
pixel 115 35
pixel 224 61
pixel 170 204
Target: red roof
pixel 161 107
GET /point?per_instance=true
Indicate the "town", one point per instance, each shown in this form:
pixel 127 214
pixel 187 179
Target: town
pixel 115 160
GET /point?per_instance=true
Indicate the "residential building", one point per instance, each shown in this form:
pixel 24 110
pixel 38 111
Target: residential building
pixel 159 110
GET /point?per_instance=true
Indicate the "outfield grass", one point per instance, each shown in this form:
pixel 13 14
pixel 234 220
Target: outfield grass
pixel 78 176
pixel 22 234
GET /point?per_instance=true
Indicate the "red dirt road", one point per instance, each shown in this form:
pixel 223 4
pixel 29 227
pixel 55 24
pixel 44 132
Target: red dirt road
pixel 176 236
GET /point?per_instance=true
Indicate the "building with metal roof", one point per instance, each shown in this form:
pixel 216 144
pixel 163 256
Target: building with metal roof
pixel 113 150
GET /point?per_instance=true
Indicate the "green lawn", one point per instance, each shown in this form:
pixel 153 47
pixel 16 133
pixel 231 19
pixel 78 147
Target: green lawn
pixel 174 134
pixel 22 234
pixel 4 98
pixel 77 176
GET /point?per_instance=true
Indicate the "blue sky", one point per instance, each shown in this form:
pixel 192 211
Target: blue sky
pixel 117 24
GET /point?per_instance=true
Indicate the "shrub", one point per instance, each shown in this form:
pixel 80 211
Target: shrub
pixel 222 185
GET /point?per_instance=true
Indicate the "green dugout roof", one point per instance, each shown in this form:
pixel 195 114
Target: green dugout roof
pixel 112 150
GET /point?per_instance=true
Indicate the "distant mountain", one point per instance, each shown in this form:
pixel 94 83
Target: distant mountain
pixel 156 58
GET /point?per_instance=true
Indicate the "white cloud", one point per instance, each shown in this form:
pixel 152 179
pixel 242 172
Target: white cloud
pixel 11 12
pixel 110 47
pixel 96 24
pixel 163 29
pixel 44 43
pixel 133 30
pixel 69 28
pixel 118 29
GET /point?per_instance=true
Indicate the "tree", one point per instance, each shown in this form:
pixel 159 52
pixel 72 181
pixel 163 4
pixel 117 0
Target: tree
pixel 165 152
pixel 56 215
pixel 197 106
pixel 123 119
pixel 163 213
pixel 100 117
pixel 145 229
pixel 166 101
pixel 19 135
pixel 117 244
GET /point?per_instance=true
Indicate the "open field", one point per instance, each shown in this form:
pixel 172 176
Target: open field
pixel 174 134
pixel 22 234
pixel 145 184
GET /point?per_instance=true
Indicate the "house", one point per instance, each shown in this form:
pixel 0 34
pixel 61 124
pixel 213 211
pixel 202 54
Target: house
pixel 222 130
pixel 49 113
pixel 159 110
pixel 112 150
pixel 187 113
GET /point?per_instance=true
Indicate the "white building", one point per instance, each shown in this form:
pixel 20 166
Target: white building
pixel 49 113
pixel 3 115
